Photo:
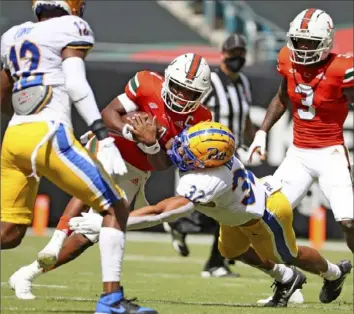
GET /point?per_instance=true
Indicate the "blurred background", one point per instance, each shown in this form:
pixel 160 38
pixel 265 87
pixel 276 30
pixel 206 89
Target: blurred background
pixel 146 35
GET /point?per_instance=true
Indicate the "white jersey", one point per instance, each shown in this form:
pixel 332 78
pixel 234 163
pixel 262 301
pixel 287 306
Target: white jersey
pixel 230 194
pixel 32 53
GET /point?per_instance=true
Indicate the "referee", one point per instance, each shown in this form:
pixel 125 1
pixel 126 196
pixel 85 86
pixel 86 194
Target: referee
pixel 229 100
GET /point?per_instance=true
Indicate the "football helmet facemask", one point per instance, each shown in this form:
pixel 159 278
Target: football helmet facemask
pixel 187 81
pixel 310 37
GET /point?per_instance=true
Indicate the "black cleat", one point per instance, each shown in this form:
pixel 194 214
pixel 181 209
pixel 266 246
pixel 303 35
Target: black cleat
pixel 331 289
pixel 178 239
pixel 283 291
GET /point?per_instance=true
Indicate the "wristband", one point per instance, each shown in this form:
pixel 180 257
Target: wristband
pixel 152 150
pixel 99 129
pixel 127 134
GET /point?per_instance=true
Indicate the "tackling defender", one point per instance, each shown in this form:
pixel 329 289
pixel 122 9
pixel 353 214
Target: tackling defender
pixel 250 211
pixel 174 100
pixel 43 74
pixel 320 86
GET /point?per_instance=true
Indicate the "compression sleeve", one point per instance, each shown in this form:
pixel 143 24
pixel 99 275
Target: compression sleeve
pixel 79 89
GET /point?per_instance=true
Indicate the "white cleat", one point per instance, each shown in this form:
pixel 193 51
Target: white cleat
pixel 296 298
pixel 21 282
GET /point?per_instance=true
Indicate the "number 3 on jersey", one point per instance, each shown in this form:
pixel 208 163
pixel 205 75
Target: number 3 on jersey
pixel 26 78
pixel 307 94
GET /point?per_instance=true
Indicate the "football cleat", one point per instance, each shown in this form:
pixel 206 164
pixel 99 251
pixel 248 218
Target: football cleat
pixel 21 282
pixel 331 289
pixel 219 272
pixel 284 291
pixel 178 239
pixel 113 303
pixel 296 298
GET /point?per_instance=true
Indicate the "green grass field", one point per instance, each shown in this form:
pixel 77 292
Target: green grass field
pixel 160 279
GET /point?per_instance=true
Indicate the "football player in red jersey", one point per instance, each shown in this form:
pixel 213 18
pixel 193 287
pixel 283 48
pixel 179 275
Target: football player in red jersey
pixel 174 101
pixel 320 86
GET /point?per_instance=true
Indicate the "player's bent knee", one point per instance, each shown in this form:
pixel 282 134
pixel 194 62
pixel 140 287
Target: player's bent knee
pixel 229 253
pixel 11 235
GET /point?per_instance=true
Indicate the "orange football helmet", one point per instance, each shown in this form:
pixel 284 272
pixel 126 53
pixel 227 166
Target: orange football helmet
pixel 73 7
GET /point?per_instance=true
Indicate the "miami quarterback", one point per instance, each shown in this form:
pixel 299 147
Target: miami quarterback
pixel 174 101
pixel 320 86
pixel 250 211
pixel 43 75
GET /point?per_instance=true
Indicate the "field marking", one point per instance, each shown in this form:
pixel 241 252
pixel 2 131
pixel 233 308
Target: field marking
pixel 197 303
pixel 6 284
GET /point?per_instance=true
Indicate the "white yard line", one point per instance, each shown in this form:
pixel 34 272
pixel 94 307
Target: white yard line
pixel 4 283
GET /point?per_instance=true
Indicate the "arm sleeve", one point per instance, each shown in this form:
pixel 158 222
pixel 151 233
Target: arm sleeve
pixel 201 187
pixel 79 89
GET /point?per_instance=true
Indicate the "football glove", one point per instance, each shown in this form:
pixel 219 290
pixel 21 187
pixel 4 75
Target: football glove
pixel 88 223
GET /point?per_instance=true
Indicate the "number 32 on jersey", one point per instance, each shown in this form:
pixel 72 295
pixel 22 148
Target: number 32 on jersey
pixel 307 94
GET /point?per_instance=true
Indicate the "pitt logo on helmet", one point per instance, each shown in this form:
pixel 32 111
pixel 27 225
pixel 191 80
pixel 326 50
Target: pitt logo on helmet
pixel 73 7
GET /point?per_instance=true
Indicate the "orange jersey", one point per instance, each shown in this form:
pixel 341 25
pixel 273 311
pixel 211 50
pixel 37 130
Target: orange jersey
pixel 319 106
pixel 144 94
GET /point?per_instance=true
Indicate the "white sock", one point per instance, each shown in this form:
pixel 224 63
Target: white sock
pixel 281 273
pixel 34 269
pixel 333 272
pixel 57 240
pixel 111 242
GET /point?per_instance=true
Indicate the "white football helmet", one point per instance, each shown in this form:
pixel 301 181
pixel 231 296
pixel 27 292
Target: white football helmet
pixel 73 7
pixel 315 27
pixel 187 80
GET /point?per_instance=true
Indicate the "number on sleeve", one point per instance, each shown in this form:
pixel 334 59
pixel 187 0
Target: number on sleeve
pixel 194 194
pixel 244 178
pixel 307 93
pixel 27 77
pixel 83 28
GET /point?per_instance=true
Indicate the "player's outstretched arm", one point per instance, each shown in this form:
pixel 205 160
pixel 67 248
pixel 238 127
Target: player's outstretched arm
pixel 277 107
pixel 165 211
pixel 275 110
pixel 6 92
pixel 84 100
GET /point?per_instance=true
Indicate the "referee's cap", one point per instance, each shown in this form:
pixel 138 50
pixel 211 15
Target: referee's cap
pixel 234 41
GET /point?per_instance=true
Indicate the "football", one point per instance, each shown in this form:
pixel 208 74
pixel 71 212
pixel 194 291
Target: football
pixel 130 115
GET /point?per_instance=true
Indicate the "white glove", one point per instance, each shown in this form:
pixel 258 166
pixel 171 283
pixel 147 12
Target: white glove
pixel 85 138
pixel 89 223
pixel 108 154
pixel 126 132
pixel 259 141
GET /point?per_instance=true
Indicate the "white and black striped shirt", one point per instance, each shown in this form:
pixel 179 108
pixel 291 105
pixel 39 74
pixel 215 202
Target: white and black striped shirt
pixel 230 101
